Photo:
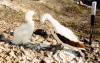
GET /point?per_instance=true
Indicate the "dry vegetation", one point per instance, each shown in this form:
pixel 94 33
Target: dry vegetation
pixel 47 50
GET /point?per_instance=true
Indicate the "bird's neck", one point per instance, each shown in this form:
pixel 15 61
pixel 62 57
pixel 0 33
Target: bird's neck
pixel 30 22
pixel 53 21
pixel 28 19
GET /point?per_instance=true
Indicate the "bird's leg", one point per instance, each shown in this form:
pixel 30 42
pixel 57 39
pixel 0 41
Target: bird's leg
pixel 54 35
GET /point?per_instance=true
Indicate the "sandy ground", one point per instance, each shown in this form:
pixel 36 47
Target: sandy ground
pixel 75 18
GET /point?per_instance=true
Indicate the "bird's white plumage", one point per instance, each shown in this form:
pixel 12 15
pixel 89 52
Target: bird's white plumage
pixel 23 33
pixel 64 31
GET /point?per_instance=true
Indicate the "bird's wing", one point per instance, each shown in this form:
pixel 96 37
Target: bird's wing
pixel 21 28
pixel 72 43
pixel 66 32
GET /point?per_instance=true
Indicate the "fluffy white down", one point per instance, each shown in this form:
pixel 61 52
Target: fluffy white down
pixel 64 31
pixel 23 33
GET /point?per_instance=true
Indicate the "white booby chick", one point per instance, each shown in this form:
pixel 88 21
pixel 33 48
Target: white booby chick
pixel 23 33
pixel 63 33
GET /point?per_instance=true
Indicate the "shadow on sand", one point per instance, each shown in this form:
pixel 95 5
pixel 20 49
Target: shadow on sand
pixel 41 46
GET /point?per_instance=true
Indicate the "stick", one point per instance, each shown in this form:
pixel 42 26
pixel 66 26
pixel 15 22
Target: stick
pixel 93 12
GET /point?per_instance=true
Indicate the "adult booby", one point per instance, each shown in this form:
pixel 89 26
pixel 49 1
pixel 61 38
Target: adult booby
pixel 63 33
pixel 23 33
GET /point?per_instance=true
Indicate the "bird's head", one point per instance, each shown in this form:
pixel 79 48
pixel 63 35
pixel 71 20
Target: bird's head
pixel 28 15
pixel 45 17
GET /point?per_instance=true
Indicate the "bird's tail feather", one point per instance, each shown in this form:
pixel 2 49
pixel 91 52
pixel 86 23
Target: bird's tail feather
pixel 72 43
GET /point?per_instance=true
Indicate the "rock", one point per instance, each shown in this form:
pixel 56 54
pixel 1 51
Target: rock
pixel 12 54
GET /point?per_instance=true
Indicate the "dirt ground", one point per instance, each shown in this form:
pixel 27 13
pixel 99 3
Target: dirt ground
pixel 47 50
